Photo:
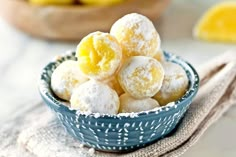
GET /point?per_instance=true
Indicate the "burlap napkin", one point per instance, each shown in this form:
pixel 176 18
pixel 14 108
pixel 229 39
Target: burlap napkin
pixel 217 93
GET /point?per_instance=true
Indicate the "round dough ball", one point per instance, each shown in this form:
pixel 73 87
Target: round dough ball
pixel 99 55
pixel 95 97
pixel 129 104
pixel 141 76
pixel 175 84
pixel 137 35
pixel 65 78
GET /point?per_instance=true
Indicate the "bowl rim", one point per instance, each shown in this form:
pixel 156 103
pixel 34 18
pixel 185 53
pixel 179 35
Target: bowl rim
pixel 44 88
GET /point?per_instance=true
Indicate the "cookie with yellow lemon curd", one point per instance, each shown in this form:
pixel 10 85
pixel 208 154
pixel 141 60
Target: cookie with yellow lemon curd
pixel 137 35
pixel 99 55
pixel 65 78
pixel 175 84
pixel 141 76
pixel 218 23
pixel 129 104
pixel 95 97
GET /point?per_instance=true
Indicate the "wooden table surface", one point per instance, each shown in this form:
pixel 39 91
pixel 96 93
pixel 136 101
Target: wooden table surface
pixel 22 57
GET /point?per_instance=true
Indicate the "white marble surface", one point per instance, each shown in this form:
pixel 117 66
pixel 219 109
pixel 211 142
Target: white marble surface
pixel 22 57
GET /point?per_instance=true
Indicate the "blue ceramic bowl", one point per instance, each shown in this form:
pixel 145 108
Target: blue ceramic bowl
pixel 122 132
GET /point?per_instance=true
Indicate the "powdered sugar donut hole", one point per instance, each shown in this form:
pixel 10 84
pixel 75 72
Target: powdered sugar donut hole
pixel 99 55
pixel 175 84
pixel 95 97
pixel 141 76
pixel 65 78
pixel 137 35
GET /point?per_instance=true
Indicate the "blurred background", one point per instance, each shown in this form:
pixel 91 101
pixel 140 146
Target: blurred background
pixel 22 56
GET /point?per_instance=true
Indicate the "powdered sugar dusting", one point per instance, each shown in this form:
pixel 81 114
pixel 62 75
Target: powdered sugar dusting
pixel 129 104
pixel 137 78
pixel 91 151
pixel 143 38
pixel 98 36
pixel 171 104
pixel 128 115
pixel 65 78
pixel 131 115
pixel 95 97
pixel 175 79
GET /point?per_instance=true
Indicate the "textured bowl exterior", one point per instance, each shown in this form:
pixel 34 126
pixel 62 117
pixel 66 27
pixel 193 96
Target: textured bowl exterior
pixel 119 132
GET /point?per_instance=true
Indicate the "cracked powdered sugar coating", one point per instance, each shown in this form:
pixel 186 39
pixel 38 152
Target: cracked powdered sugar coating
pixel 99 55
pixel 137 35
pixel 95 97
pixel 91 151
pixel 175 79
pixel 65 78
pixel 141 76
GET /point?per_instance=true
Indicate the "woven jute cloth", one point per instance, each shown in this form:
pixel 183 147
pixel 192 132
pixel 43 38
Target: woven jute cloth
pixel 40 135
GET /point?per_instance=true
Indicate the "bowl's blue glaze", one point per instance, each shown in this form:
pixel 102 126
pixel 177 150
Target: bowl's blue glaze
pixel 119 132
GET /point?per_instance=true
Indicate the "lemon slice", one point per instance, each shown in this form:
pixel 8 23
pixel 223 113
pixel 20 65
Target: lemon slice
pixel 218 23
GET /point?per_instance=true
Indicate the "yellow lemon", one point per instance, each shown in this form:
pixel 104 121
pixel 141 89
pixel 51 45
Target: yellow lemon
pixel 99 55
pixel 50 2
pixel 218 23
pixel 101 2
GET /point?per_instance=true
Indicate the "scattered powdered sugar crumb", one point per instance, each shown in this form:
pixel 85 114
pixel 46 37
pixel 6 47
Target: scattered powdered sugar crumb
pixel 119 115
pixel 56 58
pixel 71 109
pixel 171 104
pixel 131 115
pixel 69 52
pixel 97 115
pixel 78 112
pixel 81 146
pixel 91 151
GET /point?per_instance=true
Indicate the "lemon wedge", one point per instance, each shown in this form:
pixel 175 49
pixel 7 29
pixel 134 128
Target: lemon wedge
pixel 218 23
